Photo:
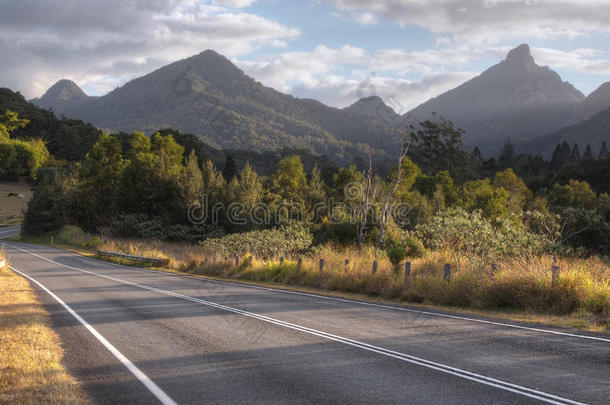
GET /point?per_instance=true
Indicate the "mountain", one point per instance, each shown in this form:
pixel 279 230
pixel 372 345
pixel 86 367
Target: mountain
pixel 595 102
pixel 209 96
pixel 592 131
pixel 66 139
pixel 374 106
pixel 61 96
pixel 514 99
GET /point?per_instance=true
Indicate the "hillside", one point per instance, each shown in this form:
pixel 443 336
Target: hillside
pixel 67 139
pixel 592 131
pixel 374 107
pixel 515 98
pixel 208 95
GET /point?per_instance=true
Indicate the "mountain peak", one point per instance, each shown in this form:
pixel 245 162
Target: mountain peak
pixel 521 55
pixel 374 106
pixel 63 90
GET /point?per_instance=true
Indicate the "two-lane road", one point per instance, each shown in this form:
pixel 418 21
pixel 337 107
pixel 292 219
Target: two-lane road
pixel 138 336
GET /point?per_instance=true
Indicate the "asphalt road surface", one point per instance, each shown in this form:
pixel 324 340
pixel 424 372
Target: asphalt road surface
pixel 143 337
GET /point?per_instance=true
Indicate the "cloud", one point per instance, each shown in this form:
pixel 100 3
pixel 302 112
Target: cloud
pixel 339 77
pixel 491 21
pixel 585 60
pixel 96 41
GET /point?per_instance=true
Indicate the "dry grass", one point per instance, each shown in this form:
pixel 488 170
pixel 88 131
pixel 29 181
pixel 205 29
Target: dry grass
pixel 30 354
pixel 524 287
pixel 12 208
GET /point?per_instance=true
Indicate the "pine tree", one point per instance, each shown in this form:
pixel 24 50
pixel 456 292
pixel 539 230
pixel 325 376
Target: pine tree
pixel 192 181
pixel 507 157
pixel 603 151
pixel 575 153
pixel 230 168
pixel 588 153
pixel 477 153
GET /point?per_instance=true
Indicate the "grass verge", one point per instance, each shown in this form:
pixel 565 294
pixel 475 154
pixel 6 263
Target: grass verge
pixel 31 371
pixel 520 292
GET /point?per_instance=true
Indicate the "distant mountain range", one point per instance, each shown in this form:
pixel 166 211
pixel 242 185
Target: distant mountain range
pixel 515 99
pixel 209 96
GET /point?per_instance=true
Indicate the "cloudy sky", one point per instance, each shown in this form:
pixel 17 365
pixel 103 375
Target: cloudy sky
pixel 333 50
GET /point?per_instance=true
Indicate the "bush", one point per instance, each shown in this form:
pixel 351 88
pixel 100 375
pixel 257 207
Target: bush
pixel 73 235
pixel 396 256
pixel 287 240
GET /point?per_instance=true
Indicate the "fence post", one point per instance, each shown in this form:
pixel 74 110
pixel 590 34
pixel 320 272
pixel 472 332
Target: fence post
pixel 282 261
pixel 236 260
pixel 321 264
pixel 407 271
pixel 494 268
pixel 346 265
pixel 299 264
pixel 374 266
pixel 447 272
pixel 555 270
pixel 250 259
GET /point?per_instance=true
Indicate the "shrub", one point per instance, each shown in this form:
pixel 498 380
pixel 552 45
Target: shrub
pixel 73 235
pixel 396 255
pixel 287 240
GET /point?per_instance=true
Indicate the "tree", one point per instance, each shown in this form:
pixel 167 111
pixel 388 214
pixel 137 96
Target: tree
pixel 507 157
pixel 9 122
pixel 137 143
pixel 481 195
pixel 518 193
pixel 588 153
pixel 290 179
pixel 603 150
pixel 99 178
pixel 316 192
pixel 192 181
pixel 561 156
pixel 229 169
pixel 576 194
pixel 575 153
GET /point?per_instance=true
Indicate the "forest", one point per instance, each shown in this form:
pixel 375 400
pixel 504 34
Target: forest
pixel 441 204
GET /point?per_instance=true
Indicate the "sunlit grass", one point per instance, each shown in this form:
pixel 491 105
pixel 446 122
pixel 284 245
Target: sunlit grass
pixel 30 353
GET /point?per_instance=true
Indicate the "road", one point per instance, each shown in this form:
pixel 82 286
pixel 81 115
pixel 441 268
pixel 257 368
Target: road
pixel 141 337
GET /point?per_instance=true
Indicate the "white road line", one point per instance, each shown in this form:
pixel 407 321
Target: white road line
pixel 144 379
pixel 492 382
pixel 368 304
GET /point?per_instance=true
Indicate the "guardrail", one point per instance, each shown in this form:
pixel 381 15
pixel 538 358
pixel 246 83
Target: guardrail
pixel 139 259
pixel 2 263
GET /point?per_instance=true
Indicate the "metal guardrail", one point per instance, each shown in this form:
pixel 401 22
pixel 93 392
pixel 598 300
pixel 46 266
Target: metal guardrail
pixel 140 259
pixel 2 263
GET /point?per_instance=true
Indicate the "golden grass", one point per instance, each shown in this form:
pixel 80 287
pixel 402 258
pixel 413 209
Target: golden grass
pixel 31 371
pixel 12 208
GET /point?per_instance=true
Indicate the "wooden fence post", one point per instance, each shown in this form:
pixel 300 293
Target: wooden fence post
pixel 321 264
pixel 250 259
pixel 407 271
pixel 447 272
pixel 346 265
pixel 494 268
pixel 555 270
pixel 281 261
pixel 299 264
pixel 236 260
pixel 374 266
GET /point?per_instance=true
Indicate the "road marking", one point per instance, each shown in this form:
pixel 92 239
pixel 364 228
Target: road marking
pixel 489 381
pixel 139 374
pixel 346 300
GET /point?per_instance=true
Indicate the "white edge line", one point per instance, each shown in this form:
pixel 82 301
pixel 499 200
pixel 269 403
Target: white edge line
pixel 521 390
pixel 139 374
pixel 349 301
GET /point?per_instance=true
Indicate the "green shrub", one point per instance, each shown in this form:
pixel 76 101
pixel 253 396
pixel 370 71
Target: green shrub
pixel 287 240
pixel 73 235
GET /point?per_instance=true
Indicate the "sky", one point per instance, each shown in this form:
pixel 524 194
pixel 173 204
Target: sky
pixel 335 51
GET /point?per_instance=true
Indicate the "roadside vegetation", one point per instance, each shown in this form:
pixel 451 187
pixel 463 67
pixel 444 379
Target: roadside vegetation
pixel 502 224
pixel 31 371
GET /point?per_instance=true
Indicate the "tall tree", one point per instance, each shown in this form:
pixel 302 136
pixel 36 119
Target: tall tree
pixel 575 153
pixel 603 151
pixel 588 152
pixel 229 169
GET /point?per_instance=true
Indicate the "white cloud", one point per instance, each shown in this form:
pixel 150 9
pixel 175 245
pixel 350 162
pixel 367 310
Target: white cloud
pixel 94 42
pixel 491 21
